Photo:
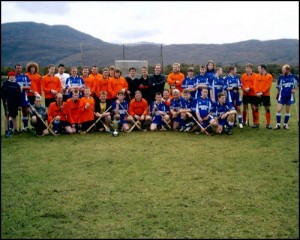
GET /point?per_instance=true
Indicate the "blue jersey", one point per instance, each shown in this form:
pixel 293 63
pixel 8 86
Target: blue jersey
pixel 285 84
pixel 210 75
pixel 158 107
pixel 178 104
pixel 203 107
pixel 123 107
pixel 219 109
pixel 201 79
pixel 23 81
pixel 233 82
pixel 217 85
pixel 191 104
pixel 189 83
pixel 74 82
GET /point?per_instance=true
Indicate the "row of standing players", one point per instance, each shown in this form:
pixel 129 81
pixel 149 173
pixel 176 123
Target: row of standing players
pixel 256 87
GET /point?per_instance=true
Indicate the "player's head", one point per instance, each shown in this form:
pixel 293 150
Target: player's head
pixel 38 101
pixel 158 97
pixel 120 95
pixel 190 71
pixel 176 93
pixel 166 94
pixel 248 68
pixel 210 66
pixel 222 97
pixel 103 95
pixel 286 69
pixel 59 97
pixel 75 95
pixel 186 94
pixel 118 72
pixel 87 92
pixel 176 67
pixel 138 95
pixel 204 93
pixel 202 69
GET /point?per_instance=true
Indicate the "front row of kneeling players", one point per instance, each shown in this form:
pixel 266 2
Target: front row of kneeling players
pixel 182 113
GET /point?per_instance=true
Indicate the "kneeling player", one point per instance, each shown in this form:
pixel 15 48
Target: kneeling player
pixel 119 109
pixel 225 114
pixel 159 111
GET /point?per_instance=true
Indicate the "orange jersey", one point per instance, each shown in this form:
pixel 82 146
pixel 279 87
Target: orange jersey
pixel 96 79
pixel 176 79
pixel 72 111
pixel 247 81
pixel 104 86
pixel 55 110
pixel 36 83
pixel 263 83
pixel 89 83
pixel 87 114
pixel 138 108
pixel 115 85
pixel 50 83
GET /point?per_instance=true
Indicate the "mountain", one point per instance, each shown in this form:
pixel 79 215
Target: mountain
pixel 22 42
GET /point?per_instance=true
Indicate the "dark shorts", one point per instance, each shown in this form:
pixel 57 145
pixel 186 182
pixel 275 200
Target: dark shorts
pixel 48 101
pixel 262 101
pixel 249 99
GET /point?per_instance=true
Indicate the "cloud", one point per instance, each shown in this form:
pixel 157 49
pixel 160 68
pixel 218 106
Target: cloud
pixel 44 8
pixel 138 34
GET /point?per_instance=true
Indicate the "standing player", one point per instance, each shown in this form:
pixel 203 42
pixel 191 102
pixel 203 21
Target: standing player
pixel 12 99
pixel 249 96
pixel 32 72
pixel 63 78
pixel 262 86
pixel 74 82
pixel 25 85
pixel 189 83
pixel 216 85
pixel 176 78
pixel 156 82
pixel 201 81
pixel 286 86
pixel 233 86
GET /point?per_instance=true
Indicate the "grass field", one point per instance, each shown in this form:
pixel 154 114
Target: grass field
pixel 152 185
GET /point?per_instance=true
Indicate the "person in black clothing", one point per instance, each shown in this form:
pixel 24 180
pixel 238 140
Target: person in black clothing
pixel 12 100
pixel 132 83
pixel 143 85
pixel 156 82
pixel 101 105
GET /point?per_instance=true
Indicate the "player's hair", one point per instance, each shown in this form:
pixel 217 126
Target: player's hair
pixel 58 95
pixel 60 65
pixel 230 69
pixel 250 65
pixel 203 66
pixel 75 91
pixel 211 61
pixel 158 93
pixel 131 68
pixel 103 93
pixel 112 68
pixel 190 69
pixel 176 91
pixel 221 94
pixel 51 65
pixel 38 98
pixel 176 64
pixel 263 66
pixel 185 91
pixel 118 70
pixel 137 92
pixel 105 69
pixel 218 68
pixel 18 65
pixel 287 67
pixel 32 64
pixel 121 93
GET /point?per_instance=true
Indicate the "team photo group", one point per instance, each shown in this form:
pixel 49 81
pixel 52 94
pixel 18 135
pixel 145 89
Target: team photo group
pixel 211 102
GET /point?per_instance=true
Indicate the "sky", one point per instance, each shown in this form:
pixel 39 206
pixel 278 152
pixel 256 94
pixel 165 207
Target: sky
pixel 184 22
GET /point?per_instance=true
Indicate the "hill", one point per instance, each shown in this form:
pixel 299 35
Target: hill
pixel 22 42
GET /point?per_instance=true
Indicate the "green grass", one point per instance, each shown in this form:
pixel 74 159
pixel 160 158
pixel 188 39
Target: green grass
pixel 152 185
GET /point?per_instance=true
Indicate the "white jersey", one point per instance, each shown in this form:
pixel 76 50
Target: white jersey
pixel 62 77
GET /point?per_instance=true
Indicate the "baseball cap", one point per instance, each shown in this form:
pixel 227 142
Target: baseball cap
pixel 11 73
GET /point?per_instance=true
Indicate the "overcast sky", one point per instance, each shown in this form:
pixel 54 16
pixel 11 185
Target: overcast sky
pixel 164 22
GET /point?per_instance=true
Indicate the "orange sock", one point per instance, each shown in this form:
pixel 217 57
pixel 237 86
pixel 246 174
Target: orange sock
pixel 256 114
pixel 268 117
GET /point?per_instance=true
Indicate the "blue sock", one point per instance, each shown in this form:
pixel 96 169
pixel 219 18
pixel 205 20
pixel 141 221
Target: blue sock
pixel 278 118
pixel 286 118
pixel 56 125
pixel 240 118
pixel 25 122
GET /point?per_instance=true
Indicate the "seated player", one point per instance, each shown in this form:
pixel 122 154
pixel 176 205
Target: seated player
pixel 119 110
pixel 224 113
pixel 177 103
pixel 72 112
pixel 86 110
pixel 102 106
pixel 159 112
pixel 39 125
pixel 139 111
pixel 56 115
pixel 188 113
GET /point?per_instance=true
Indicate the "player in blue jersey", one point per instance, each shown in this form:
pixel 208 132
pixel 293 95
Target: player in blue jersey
pixel 25 85
pixel 177 103
pixel 74 82
pixel 188 113
pixel 287 85
pixel 120 111
pixel 233 87
pixel 216 85
pixel 159 112
pixel 224 113
pixel 210 69
pixel 11 98
pixel 201 81
pixel 204 111
pixel 189 82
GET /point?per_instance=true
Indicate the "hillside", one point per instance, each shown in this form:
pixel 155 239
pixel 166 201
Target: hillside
pixel 22 42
